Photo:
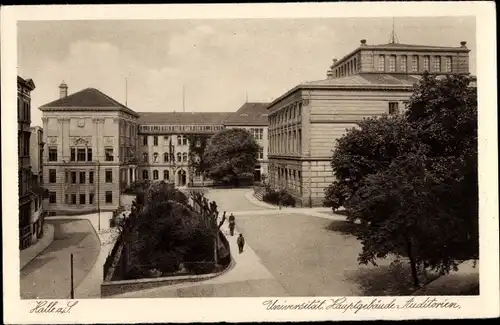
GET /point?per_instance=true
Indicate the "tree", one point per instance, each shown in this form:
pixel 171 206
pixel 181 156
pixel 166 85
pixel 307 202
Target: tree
pixel 231 156
pixel 197 146
pixel 414 186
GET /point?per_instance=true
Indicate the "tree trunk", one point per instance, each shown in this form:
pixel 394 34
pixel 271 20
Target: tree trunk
pixel 413 263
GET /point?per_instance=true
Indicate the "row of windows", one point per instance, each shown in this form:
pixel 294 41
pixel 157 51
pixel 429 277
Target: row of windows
pixel 81 154
pixel 71 198
pixel 288 113
pixel 257 133
pixel 348 68
pixel 181 140
pixel 415 64
pixel 181 157
pixel 156 174
pixel 80 177
pixel 286 177
pixel 285 142
pixel 128 129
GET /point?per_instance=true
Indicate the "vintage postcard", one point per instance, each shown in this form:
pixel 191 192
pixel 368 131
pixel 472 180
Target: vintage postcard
pixel 299 162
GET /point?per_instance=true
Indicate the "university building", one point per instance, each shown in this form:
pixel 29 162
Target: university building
pixel 370 81
pixel 253 117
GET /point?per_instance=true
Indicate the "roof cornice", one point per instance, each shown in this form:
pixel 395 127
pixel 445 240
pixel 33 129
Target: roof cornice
pixel 87 109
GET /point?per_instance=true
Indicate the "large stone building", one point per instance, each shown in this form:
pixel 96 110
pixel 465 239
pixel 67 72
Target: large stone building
pixel 90 151
pixel 39 193
pixel 27 204
pixel 370 81
pixel 253 117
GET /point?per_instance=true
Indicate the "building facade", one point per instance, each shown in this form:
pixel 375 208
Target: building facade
pixel 90 155
pixel 164 144
pixel 39 194
pixel 25 175
pixel 370 81
pixel 253 117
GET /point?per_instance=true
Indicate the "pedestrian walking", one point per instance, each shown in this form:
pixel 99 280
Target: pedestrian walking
pixel 241 242
pixel 232 224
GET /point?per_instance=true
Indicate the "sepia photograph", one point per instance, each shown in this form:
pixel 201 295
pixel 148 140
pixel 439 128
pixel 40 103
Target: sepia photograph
pixel 255 157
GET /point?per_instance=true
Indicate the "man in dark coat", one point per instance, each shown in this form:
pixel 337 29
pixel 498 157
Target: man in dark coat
pixel 232 223
pixel 241 242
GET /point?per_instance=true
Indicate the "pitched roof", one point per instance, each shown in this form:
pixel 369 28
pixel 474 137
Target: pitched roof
pixel 249 114
pixel 26 82
pixel 369 79
pixel 87 99
pixel 416 46
pixel 208 118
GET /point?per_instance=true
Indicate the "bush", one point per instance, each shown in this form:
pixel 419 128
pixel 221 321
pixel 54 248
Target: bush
pixel 278 197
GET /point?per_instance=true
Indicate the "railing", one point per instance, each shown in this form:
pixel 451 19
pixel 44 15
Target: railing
pixel 111 257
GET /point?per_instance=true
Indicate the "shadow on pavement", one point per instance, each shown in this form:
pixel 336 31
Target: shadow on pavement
pixel 344 227
pixel 36 264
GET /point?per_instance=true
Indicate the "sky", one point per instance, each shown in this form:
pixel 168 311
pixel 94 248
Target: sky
pixel 218 62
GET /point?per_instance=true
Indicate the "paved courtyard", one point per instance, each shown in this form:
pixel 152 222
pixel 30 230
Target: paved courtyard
pixel 48 275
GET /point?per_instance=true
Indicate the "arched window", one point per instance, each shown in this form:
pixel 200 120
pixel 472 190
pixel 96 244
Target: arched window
pixel 145 175
pixel 165 157
pixel 179 157
pixel 185 157
pixel 166 175
pixel 179 140
pixel 145 157
pixel 155 175
pixel 155 157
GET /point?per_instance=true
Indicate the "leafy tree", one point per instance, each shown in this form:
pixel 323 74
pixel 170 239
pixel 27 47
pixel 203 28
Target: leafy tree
pixel 231 156
pixel 197 146
pixel 413 186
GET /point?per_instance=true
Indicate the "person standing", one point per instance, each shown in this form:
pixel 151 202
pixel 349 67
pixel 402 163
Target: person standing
pixel 232 224
pixel 241 242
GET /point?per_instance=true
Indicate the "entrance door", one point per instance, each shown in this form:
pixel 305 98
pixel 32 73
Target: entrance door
pixel 181 177
pixel 256 174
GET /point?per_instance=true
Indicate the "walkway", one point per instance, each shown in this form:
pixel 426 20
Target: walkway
pixel 47 276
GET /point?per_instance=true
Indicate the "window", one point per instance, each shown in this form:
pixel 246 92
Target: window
pixel 145 157
pixel 155 175
pixel 166 175
pixel 165 157
pixel 165 140
pixel 145 140
pixel 91 177
pixel 73 154
pixel 82 177
pixel 184 157
pixel 52 176
pixel 179 140
pixel 155 157
pixel 73 177
pixel 437 64
pixel 109 197
pixel 179 157
pixel 66 199
pixel 52 197
pixel 414 63
pixel 52 154
pixel 145 175
pixel 89 154
pixel 393 108
pixel 381 63
pixel 447 64
pixel 80 154
pixel 82 198
pixel 109 154
pixel 91 198
pixel 260 155
pixel 392 63
pixel 155 141
pixel 403 63
pixel 184 141
pixel 65 177
pixel 109 176
pixel 73 198
pixel 426 63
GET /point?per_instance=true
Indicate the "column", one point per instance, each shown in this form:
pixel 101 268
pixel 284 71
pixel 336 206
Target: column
pixel 127 176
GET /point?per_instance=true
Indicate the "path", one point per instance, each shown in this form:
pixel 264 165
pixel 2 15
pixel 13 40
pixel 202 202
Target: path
pixel 48 275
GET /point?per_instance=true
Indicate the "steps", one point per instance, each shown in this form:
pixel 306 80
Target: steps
pixel 259 194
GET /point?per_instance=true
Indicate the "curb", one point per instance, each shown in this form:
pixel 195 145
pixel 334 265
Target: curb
pixel 39 247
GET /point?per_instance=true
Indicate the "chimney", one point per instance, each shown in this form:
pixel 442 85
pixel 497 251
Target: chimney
pixel 363 42
pixel 63 90
pixel 329 74
pixel 463 43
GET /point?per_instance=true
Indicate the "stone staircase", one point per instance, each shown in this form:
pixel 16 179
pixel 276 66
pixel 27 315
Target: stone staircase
pixel 259 193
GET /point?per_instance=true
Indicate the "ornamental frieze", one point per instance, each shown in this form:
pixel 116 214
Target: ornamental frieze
pixel 79 141
pixel 108 140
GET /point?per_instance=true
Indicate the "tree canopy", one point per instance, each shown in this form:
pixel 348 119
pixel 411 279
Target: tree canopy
pixel 231 156
pixel 412 180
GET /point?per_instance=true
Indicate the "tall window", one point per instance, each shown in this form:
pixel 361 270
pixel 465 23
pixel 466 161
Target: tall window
pixel 381 63
pixel 414 63
pixel 155 175
pixel 447 64
pixel 145 175
pixel 179 140
pixel 52 197
pixel 73 154
pixel 52 176
pixel 179 157
pixel 80 154
pixel 165 141
pixel 109 197
pixel 109 176
pixel 165 157
pixel 73 198
pixel 89 154
pixel 82 177
pixel 260 154
pixel 403 63
pixel 393 108
pixel 155 157
pixel 145 157
pixel 184 157
pixel 52 154
pixel 166 175
pixel 73 177
pixel 145 140
pixel 155 141
pixel 91 198
pixel 82 198
pixel 109 154
pixel 392 63
pixel 426 63
pixel 437 64
pixel 91 177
